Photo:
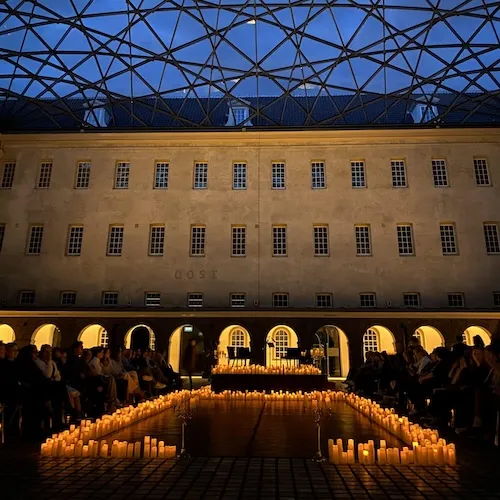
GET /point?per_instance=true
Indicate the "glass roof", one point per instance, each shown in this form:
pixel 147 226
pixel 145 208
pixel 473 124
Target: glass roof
pixel 159 63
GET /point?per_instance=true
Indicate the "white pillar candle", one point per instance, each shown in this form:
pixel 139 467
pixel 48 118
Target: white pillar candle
pixel 381 456
pixel 137 449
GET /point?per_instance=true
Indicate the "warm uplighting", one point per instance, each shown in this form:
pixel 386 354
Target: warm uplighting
pixel 265 370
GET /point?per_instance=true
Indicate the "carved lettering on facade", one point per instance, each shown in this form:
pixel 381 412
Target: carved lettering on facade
pixel 190 275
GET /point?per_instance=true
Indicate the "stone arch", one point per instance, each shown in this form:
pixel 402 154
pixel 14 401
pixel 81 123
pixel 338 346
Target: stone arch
pixel 7 334
pixel 232 336
pixel 471 331
pixel 338 350
pixel 178 342
pixel 93 336
pixel 378 338
pixel 139 337
pixel 429 337
pixel 46 334
pixel 277 340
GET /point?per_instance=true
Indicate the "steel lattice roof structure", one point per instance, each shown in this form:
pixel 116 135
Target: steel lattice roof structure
pixel 190 64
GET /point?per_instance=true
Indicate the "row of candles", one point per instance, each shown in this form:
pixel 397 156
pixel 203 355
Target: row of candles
pixel 265 370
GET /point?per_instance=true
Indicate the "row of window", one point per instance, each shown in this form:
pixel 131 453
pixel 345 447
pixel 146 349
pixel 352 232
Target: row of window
pixel 323 300
pixel 321 240
pixel 278 174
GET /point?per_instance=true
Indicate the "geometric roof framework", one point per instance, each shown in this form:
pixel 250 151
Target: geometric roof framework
pixel 315 63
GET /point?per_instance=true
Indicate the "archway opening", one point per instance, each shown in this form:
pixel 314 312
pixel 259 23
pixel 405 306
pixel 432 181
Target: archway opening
pixel 178 344
pixel 231 339
pixel 46 334
pixel 473 331
pixel 429 337
pixel 278 340
pixel 140 337
pixel 337 350
pixel 378 339
pixel 93 336
pixel 7 334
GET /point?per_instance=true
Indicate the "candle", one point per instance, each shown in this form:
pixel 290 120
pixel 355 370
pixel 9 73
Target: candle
pixel 104 450
pixel 452 458
pixel 137 450
pixel 350 457
pixel 381 456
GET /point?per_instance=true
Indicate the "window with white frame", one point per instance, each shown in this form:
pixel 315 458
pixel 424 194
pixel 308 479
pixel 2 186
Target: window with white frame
pixel 439 173
pixel 491 238
pixel 321 240
pixel 240 114
pixel 239 175
pixel 279 241
pixel 200 175
pixel 496 299
pixel 280 299
pixel 27 297
pixel 411 299
pixel 367 300
pixel 75 240
pixel 370 342
pixel 363 240
pixel 110 298
pixel 45 175
pixel 237 300
pixel 103 338
pixel 198 240
pixel 398 170
pixel 161 175
pixel 68 298
pixel 152 299
pixel 35 240
pixel 83 175
pixel 195 300
pixel 318 175
pixel 9 170
pixel 238 241
pixel 281 340
pixel 115 240
pixel 2 235
pixel 456 300
pixel 448 239
pixel 156 240
pixel 481 172
pixel 278 175
pixel 358 177
pixel 405 239
pixel 237 338
pixel 324 300
pixel 122 175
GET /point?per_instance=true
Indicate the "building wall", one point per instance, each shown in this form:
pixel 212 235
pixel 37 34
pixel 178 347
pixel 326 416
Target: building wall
pixel 216 275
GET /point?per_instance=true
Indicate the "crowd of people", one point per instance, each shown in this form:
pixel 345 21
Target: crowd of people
pixel 44 390
pixel 457 387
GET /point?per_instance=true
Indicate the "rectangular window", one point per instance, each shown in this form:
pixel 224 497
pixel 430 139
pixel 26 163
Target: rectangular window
pixel 110 298
pixel 45 175
pixel 491 238
pixel 363 240
pixel 35 240
pixel 456 300
pixel 448 239
pixel 68 298
pixel 83 175
pixel 239 175
pixel 122 175
pixel 195 300
pixel 321 240
pixel 324 300
pixel 318 175
pixel 27 297
pixel 358 177
pixel 161 175
pixel 496 299
pixel 398 170
pixel 2 235
pixel 152 299
pixel 405 239
pixel 481 172
pixel 411 299
pixel 115 240
pixel 368 300
pixel 278 175
pixel 156 240
pixel 238 241
pixel 238 300
pixel 439 173
pixel 75 240
pixel 279 241
pixel 200 176
pixel 9 169
pixel 198 240
pixel 280 299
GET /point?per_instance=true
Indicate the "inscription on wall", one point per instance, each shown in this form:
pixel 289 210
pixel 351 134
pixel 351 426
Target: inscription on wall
pixel 195 275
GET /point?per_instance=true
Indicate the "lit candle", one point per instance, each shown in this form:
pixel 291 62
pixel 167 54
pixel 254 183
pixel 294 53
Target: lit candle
pixel 381 456
pixel 104 450
pixel 137 449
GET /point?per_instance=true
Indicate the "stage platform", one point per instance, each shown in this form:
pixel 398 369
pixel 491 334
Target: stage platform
pixel 268 383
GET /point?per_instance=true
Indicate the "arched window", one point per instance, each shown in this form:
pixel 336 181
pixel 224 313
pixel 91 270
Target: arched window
pixel 370 342
pixel 237 338
pixel 103 338
pixel 281 342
